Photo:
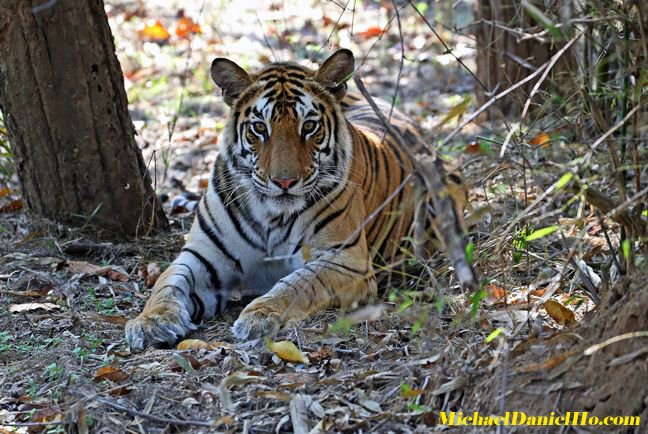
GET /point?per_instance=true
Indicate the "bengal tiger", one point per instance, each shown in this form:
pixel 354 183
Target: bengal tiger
pixel 307 192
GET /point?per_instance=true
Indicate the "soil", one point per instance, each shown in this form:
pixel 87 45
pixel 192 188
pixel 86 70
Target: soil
pixel 552 374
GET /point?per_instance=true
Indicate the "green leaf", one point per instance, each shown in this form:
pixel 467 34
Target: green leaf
pixel 470 248
pixel 540 17
pixel 541 233
pixel 184 363
pixel 494 334
pixel 564 180
pixel 626 246
pixel 422 7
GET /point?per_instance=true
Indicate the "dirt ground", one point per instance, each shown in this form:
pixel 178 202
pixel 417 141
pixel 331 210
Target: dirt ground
pixel 65 296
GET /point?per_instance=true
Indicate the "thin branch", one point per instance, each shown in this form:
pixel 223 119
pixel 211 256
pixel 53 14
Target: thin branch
pixel 133 412
pixel 447 49
pixel 491 102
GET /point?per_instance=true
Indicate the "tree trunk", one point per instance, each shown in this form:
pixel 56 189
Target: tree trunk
pixel 503 58
pixel 65 108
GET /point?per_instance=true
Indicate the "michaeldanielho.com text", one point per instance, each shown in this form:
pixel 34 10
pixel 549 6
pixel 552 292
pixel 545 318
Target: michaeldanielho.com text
pixel 519 418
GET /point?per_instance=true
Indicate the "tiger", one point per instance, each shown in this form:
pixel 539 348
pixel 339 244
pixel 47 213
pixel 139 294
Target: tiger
pixel 309 191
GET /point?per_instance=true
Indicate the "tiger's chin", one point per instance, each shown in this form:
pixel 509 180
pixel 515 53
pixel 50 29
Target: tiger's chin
pixel 285 203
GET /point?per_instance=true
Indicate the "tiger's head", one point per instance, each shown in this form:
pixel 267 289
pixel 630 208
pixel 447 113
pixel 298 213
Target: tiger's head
pixel 286 136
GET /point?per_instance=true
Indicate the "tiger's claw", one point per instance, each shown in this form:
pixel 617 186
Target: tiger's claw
pixel 164 324
pixel 255 324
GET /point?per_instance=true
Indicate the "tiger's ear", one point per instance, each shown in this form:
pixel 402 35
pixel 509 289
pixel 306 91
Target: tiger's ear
pixel 231 78
pixel 334 73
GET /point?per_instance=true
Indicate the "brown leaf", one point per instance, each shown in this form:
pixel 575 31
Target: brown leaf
pixel 13 206
pixel 96 270
pixel 195 364
pixel 278 396
pixel 111 373
pixel 321 354
pixel 113 319
pixel 495 293
pixel 26 307
pixel 152 274
pixel 548 363
pixel 4 192
pixel 120 391
pixel 559 313
pixel 154 30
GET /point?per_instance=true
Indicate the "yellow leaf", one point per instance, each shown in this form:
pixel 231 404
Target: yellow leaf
pixel 155 31
pixel 559 313
pixel 456 111
pixel 287 351
pixel 193 344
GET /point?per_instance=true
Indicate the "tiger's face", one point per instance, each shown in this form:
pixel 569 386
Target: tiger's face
pixel 286 137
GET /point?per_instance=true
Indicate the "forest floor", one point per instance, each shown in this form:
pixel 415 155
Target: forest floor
pixel 392 367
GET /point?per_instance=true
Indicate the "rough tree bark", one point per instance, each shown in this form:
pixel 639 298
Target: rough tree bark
pixel 503 56
pixel 65 108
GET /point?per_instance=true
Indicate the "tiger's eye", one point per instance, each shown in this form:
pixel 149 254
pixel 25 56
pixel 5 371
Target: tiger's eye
pixel 309 126
pixel 259 127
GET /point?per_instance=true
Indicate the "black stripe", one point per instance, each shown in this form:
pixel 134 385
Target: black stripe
pixel 344 267
pixel 214 239
pixel 329 218
pixel 193 279
pixel 232 217
pixel 213 275
pixel 347 245
pixel 200 311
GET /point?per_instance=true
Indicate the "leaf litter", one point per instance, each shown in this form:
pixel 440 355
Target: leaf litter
pixel 386 366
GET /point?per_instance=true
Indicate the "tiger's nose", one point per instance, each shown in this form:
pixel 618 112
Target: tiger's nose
pixel 284 183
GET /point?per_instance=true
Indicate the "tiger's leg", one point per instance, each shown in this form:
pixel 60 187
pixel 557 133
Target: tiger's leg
pixel 192 289
pixel 339 275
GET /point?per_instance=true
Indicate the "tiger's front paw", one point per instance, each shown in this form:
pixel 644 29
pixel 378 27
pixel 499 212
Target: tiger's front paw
pixel 255 324
pixel 164 323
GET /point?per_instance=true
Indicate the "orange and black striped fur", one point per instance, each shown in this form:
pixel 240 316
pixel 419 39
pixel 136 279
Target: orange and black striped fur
pixel 307 192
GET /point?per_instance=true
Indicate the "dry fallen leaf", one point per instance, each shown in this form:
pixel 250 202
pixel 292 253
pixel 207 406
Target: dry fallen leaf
pixel 559 313
pixel 287 351
pixel 13 206
pixel 154 30
pixel 541 140
pixel 152 274
pixel 96 270
pixel 278 396
pixel 240 378
pixel 4 192
pixel 193 344
pixel 113 319
pixel 111 373
pixel 26 307
pixel 371 32
pixel 186 26
pixel 495 293
pixel 185 362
